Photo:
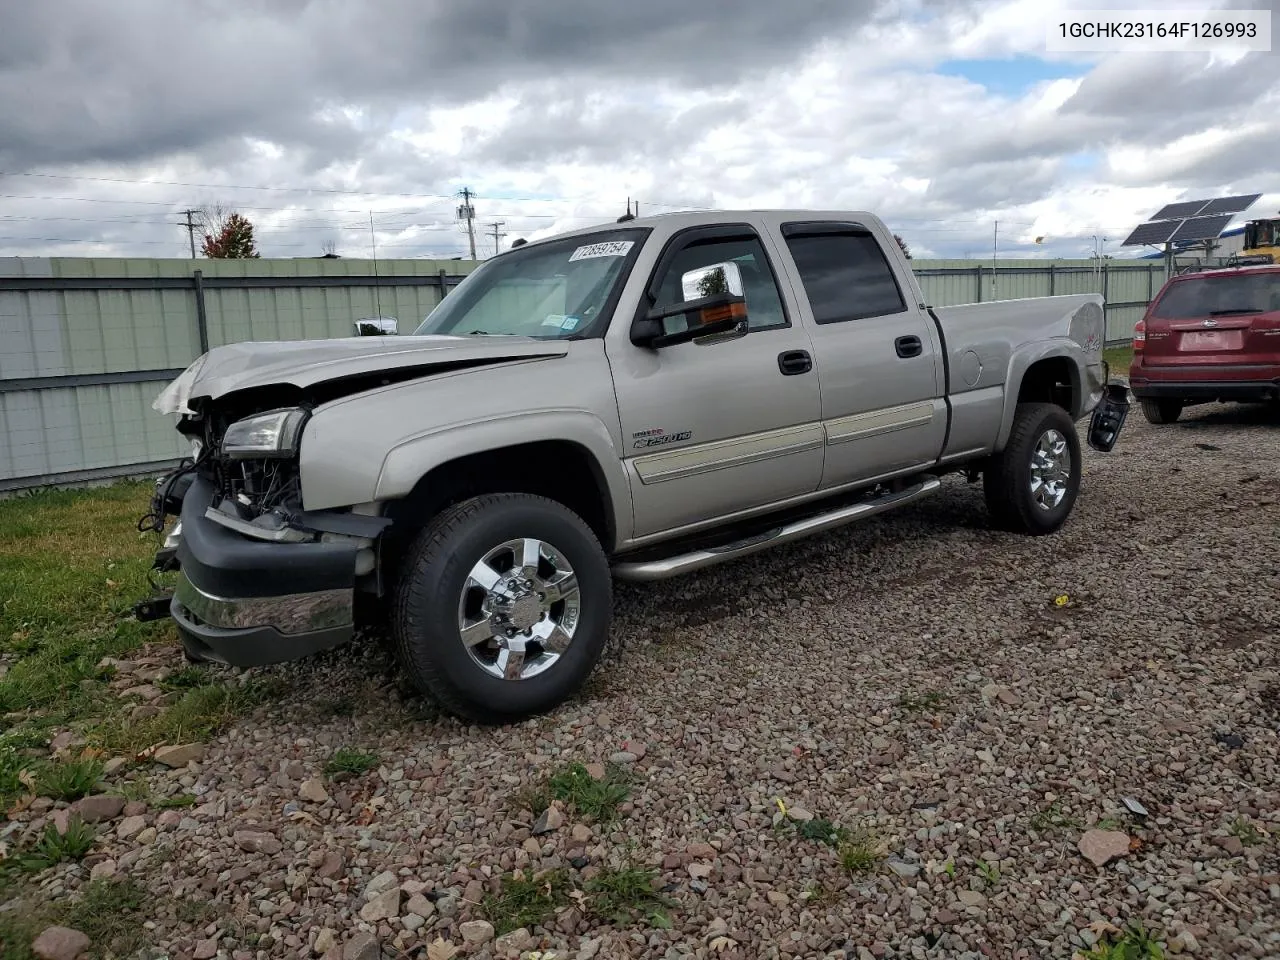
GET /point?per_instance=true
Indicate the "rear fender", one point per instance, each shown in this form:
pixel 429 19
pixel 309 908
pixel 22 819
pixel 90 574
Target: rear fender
pixel 1023 359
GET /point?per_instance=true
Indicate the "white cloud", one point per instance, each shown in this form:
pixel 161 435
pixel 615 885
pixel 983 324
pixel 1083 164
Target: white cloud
pixel 553 135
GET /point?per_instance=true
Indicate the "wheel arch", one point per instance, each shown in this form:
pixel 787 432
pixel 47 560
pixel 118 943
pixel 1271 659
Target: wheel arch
pixel 1050 373
pixel 561 458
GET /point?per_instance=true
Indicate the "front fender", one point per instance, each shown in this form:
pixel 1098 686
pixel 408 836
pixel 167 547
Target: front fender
pixel 407 462
pixel 1021 360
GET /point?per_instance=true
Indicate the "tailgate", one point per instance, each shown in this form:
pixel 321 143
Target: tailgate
pixel 1216 321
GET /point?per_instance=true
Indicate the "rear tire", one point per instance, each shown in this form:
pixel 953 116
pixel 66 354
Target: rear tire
pixel 505 673
pixel 1161 411
pixel 1032 484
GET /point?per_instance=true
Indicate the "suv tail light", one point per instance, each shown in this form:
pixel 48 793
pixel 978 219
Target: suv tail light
pixel 1139 336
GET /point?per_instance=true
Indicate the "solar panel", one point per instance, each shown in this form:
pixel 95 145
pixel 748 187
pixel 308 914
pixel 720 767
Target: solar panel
pixel 1201 228
pixel 1157 232
pixel 1176 211
pixel 1229 204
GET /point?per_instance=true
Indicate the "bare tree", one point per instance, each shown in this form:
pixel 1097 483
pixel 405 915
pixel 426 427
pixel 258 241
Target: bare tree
pixel 213 217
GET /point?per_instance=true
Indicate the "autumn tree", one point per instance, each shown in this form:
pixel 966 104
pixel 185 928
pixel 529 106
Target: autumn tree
pixel 906 251
pixel 233 240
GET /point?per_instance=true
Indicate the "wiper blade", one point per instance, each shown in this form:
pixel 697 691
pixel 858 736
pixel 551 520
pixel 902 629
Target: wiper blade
pixel 1224 313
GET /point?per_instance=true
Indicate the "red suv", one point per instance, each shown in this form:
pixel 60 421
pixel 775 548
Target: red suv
pixel 1213 335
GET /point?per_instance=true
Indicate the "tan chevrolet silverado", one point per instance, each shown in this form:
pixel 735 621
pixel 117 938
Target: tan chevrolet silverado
pixel 635 401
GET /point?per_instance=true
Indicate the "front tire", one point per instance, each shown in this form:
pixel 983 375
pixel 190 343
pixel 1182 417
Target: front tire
pixel 1032 484
pixel 1161 411
pixel 503 607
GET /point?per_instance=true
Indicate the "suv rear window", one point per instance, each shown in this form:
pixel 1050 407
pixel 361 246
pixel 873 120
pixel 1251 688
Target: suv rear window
pixel 1216 296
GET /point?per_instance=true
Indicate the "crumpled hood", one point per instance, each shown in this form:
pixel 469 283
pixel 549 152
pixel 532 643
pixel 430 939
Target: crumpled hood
pixel 303 363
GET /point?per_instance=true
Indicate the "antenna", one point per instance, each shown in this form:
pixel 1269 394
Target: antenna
pixel 377 289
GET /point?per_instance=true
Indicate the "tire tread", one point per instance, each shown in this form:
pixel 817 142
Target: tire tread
pixel 426 548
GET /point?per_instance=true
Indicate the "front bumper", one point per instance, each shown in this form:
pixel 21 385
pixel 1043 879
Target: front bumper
pixel 247 602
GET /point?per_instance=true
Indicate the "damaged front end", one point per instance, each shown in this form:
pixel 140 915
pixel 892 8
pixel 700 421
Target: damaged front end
pixel 260 579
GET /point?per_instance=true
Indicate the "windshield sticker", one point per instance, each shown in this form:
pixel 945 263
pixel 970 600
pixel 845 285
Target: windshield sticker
pixel 560 321
pixel 614 248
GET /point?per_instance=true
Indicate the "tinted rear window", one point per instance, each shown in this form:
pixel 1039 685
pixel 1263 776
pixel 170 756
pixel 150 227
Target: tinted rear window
pixel 1203 296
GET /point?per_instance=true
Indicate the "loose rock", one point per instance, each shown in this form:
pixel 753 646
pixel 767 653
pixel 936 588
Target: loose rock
pixel 60 943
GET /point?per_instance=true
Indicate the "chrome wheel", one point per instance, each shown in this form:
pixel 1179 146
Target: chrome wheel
pixel 519 609
pixel 1050 469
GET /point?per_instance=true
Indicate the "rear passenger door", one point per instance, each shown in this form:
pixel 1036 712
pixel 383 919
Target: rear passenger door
pixel 876 350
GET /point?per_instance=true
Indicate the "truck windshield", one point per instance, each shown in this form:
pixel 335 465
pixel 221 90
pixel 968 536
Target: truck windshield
pixel 1217 296
pixel 547 290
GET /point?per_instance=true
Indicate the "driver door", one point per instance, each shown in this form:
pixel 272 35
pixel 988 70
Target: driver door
pixel 725 424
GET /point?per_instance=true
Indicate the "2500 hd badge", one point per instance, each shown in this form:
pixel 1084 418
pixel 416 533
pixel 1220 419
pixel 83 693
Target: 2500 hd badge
pixel 656 438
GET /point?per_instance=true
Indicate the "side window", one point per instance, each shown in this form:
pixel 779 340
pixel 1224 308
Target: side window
pixel 764 304
pixel 845 276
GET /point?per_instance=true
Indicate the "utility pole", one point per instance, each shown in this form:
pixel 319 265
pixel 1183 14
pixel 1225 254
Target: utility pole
pixel 497 237
pixel 377 289
pixel 191 230
pixel 995 241
pixel 468 213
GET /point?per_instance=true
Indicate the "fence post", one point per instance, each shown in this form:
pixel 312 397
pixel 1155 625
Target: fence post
pixel 977 275
pixel 1151 290
pixel 1106 274
pixel 202 319
pixel 1053 273
pixel 442 283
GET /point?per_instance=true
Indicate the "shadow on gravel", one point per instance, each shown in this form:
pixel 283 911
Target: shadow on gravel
pixel 1228 415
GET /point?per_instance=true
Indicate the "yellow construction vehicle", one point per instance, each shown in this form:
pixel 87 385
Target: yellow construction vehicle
pixel 1262 241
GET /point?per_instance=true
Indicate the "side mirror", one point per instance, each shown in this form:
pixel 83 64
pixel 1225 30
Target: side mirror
pixel 713 304
pixel 376 327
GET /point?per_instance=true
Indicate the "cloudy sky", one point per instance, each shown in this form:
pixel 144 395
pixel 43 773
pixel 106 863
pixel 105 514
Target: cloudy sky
pixel 943 116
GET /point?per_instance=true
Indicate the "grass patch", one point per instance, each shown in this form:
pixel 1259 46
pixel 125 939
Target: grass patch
pixel 350 761
pixel 200 713
pixel 526 902
pixel 1119 358
pixel 176 802
pixel 1243 830
pixel 69 779
pixel 109 912
pixel 1052 817
pixel 1132 943
pixel 590 798
pixel 573 785
pixel 54 847
pixel 859 852
pixel 823 830
pixel 989 872
pixel 619 894
pixel 929 700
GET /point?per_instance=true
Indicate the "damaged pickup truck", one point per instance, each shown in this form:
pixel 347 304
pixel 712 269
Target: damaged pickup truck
pixel 632 401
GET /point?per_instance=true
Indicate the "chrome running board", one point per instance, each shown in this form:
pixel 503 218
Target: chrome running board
pixel 796 530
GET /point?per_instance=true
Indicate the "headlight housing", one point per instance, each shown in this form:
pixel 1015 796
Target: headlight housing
pixel 274 433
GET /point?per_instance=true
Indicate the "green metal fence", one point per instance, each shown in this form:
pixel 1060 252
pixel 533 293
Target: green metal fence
pixel 86 344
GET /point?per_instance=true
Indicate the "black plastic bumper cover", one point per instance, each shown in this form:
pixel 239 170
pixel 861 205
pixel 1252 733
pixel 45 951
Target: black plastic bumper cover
pixel 1247 391
pixel 221 563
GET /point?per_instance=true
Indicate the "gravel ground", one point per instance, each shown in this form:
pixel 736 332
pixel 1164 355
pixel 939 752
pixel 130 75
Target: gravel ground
pixel 911 676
